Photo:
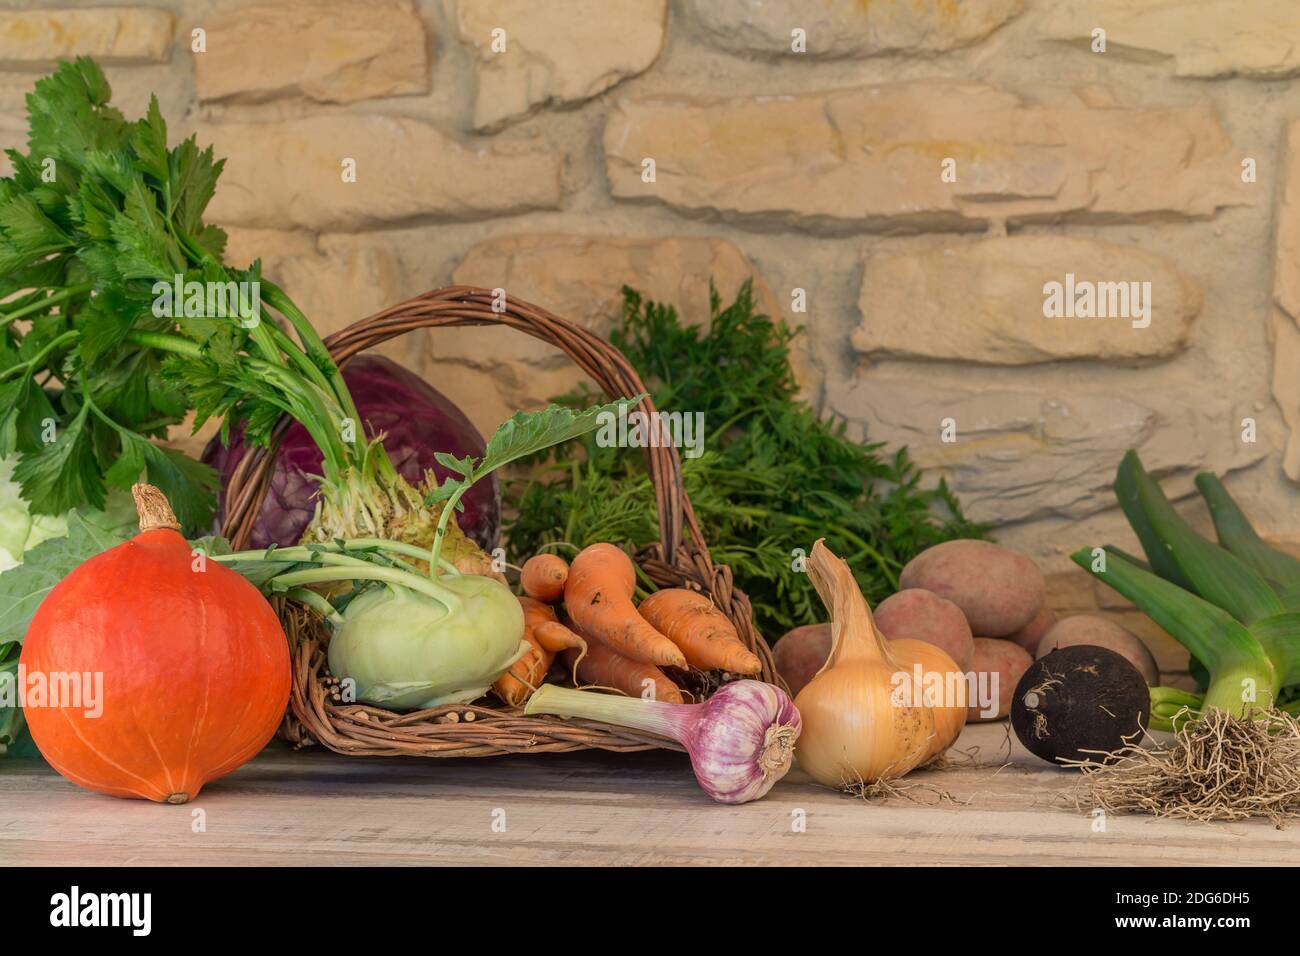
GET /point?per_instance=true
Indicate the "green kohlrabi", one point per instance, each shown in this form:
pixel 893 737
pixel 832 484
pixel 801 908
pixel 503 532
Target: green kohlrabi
pixel 401 637
pixel 405 649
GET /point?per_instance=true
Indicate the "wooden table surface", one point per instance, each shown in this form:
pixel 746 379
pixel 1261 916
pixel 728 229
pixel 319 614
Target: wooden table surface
pixel 313 807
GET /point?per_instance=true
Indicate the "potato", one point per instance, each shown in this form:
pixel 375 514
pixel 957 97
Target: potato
pixel 921 615
pixel 1029 635
pixel 800 654
pixel 998 590
pixel 1100 632
pixel 1000 659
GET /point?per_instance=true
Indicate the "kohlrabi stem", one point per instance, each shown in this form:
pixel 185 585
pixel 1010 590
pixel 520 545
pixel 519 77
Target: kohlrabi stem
pixel 342 567
pixel 372 573
pixel 323 553
pixel 317 603
pixel 397 547
pixel 434 556
pixel 652 716
pixel 344 547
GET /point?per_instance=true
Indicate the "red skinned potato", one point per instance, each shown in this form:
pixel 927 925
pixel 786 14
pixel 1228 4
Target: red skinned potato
pixel 1099 632
pixel 920 615
pixel 1029 635
pixel 800 654
pixel 1003 659
pixel 998 590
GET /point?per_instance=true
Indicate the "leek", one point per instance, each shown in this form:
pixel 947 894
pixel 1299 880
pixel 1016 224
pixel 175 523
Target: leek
pixel 1181 556
pixel 1243 676
pixel 1236 533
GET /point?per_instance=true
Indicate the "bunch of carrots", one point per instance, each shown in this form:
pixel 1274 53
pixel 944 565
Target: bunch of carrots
pixel 606 639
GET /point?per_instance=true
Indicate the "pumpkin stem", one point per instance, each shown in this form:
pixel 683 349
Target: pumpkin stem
pixel 153 508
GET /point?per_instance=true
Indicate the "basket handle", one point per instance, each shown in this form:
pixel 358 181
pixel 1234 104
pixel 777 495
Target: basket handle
pixel 469 305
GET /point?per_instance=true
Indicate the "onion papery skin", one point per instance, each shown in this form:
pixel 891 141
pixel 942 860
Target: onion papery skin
pixel 950 711
pixel 195 670
pixel 853 730
pixel 865 717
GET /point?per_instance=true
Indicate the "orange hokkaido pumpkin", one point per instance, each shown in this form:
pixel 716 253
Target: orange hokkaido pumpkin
pixel 195 666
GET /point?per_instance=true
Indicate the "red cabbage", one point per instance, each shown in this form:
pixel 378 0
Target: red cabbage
pixel 417 421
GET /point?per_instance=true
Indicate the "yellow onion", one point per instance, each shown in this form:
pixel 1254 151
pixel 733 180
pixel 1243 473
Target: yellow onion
pixel 877 708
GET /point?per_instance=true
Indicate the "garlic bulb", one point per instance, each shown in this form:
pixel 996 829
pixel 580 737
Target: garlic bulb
pixel 740 740
pixel 877 708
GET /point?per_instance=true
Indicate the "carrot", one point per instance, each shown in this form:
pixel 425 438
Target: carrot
pixel 707 639
pixel 598 597
pixel 543 577
pixel 555 637
pixel 526 674
pixel 605 667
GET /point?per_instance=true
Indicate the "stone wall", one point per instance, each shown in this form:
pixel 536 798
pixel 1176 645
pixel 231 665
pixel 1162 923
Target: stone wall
pixel 915 171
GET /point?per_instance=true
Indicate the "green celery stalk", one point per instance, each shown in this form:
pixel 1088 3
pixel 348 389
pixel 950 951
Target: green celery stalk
pixel 1237 534
pixel 1241 672
pixel 1198 565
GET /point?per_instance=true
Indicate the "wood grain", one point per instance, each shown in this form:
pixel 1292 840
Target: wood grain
pixel 314 807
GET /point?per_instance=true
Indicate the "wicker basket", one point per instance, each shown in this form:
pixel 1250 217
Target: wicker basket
pixel 679 559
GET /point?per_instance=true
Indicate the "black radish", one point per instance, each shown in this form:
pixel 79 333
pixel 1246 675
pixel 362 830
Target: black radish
pixel 1080 703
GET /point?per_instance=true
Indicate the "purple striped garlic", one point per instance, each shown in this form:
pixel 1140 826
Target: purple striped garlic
pixel 740 740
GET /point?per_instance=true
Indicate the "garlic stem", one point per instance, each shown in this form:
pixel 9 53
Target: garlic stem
pixel 652 716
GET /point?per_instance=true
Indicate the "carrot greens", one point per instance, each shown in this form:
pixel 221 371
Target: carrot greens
pixel 774 474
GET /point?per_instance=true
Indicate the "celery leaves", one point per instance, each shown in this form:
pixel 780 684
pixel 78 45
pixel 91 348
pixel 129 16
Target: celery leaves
pixel 96 211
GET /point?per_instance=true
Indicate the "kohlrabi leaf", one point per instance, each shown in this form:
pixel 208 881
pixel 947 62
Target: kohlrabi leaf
pixel 461 466
pixel 521 435
pixel 526 433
